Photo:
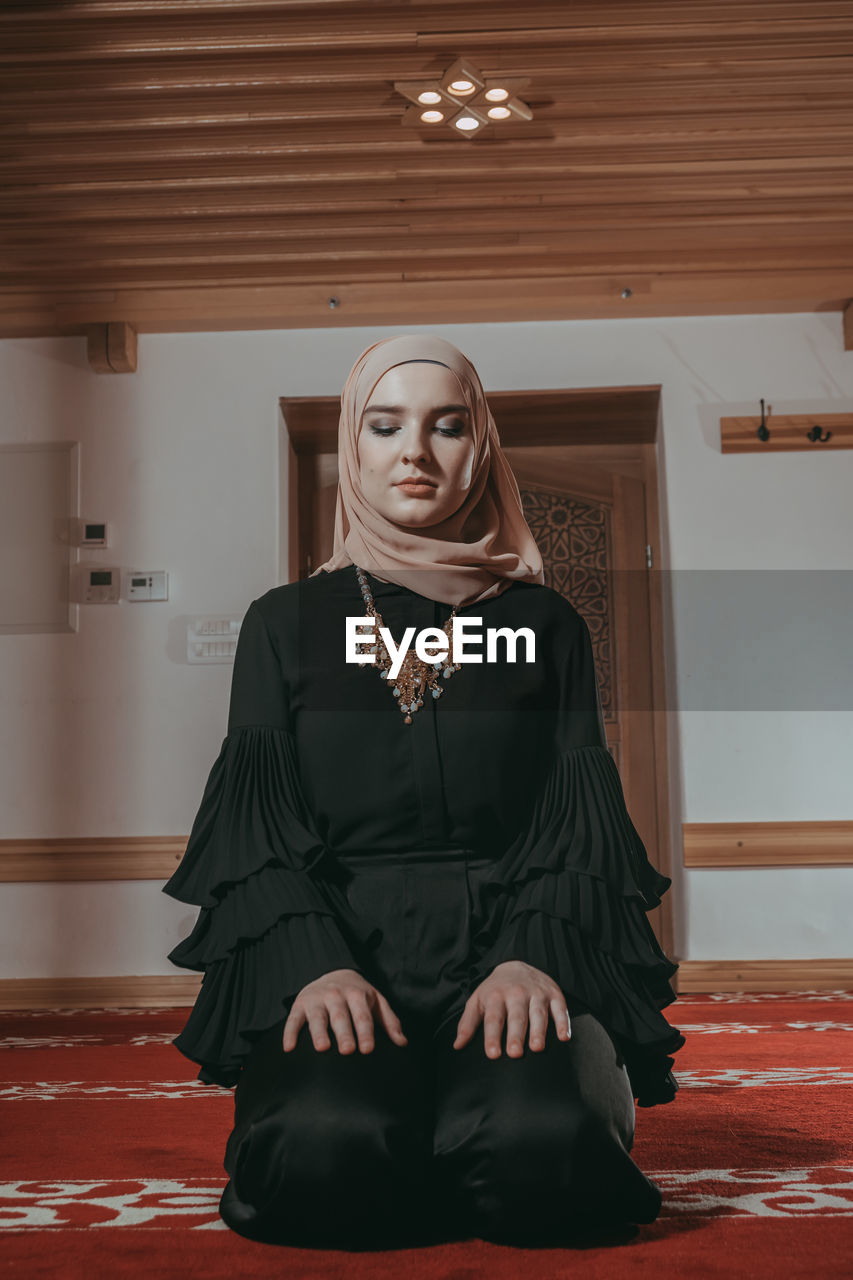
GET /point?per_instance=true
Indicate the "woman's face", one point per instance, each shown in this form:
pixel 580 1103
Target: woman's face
pixel 416 424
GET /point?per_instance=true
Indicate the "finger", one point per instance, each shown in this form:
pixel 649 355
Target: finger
pixel 362 1020
pixel 538 1023
pixel 331 1010
pixel 468 1023
pixel 295 1020
pixel 493 1025
pixel 518 1008
pixel 390 1021
pixel 562 1021
pixel 316 1017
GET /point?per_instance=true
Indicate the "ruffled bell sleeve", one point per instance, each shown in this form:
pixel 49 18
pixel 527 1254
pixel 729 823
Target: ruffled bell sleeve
pixel 273 917
pixel 570 894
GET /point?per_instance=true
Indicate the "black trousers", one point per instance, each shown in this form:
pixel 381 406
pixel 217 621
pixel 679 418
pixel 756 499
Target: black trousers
pixel 420 1142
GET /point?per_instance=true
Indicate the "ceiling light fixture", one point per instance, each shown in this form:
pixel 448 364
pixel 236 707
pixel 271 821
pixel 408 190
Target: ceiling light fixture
pixel 462 99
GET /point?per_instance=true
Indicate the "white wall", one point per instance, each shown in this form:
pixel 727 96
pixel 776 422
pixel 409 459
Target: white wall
pixel 108 732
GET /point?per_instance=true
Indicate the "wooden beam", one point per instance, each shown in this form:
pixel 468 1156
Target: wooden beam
pixel 396 301
pixel 112 347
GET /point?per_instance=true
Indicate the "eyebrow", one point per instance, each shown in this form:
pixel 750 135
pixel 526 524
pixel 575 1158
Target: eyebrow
pixel 397 408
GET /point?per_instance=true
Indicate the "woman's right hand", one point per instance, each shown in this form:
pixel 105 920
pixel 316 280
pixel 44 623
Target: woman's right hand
pixel 346 1000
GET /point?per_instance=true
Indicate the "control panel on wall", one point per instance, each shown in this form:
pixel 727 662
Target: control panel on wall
pixel 102 584
pixel 142 585
pixel 210 637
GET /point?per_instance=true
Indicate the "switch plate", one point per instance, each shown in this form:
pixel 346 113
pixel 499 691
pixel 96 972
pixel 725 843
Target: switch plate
pixel 212 638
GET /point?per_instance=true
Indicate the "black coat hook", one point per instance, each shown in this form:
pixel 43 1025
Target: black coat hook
pixel 818 434
pixel 763 433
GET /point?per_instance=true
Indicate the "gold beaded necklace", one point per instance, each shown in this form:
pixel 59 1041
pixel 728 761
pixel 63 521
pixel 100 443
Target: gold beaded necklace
pixel 415 675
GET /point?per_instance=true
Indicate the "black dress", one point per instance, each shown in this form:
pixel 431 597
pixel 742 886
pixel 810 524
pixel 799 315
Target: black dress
pixel 508 770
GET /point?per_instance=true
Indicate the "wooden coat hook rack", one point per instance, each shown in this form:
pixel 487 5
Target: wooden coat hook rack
pixel 786 432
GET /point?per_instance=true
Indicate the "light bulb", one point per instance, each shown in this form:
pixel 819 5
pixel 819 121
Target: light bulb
pixel 499 113
pixel 429 95
pixel 497 95
pixel 467 123
pixel 461 86
pixel 432 117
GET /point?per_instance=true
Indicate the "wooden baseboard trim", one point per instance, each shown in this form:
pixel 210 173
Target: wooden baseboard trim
pixel 764 975
pixel 156 991
pixel 767 844
pixel 136 992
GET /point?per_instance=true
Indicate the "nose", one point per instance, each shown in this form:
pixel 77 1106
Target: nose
pixel 415 448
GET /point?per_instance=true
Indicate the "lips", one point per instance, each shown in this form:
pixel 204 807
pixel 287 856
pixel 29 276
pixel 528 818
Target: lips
pixel 416 488
pixel 418 482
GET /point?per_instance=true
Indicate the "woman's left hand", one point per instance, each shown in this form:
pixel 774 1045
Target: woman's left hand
pixel 516 989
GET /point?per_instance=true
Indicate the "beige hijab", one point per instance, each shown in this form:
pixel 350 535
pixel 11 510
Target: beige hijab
pixel 479 550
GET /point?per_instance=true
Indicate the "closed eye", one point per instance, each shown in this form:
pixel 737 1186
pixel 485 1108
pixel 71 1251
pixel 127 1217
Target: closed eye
pixel 379 429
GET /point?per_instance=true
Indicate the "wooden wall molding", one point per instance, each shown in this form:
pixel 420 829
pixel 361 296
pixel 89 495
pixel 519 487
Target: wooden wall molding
pixel 82 858
pixel 768 844
pixel 137 992
pixel 705 844
pixel 166 991
pixel 764 975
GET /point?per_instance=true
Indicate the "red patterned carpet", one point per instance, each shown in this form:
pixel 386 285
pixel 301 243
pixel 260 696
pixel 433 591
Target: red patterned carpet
pixel 112 1156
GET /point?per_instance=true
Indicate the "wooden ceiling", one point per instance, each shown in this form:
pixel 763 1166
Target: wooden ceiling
pixel 221 164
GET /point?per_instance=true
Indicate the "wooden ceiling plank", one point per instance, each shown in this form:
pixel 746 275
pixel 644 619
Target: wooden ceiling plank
pixel 162 33
pixel 26 161
pixel 584 12
pixel 543 165
pixel 549 67
pixel 579 97
pixel 761 118
pixel 587 229
pixel 735 41
pixel 416 261
pixel 687 194
pixel 608 250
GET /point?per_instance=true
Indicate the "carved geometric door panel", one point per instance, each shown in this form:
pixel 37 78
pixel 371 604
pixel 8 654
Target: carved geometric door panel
pixel 574 537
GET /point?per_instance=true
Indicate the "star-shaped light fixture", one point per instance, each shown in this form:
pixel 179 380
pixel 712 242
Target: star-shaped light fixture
pixel 464 100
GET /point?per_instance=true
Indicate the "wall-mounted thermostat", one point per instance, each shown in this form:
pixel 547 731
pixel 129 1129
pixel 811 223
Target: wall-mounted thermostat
pixel 97 584
pixel 212 638
pixel 146 585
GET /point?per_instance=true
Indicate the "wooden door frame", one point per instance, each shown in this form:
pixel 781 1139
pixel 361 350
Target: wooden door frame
pixel 611 427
